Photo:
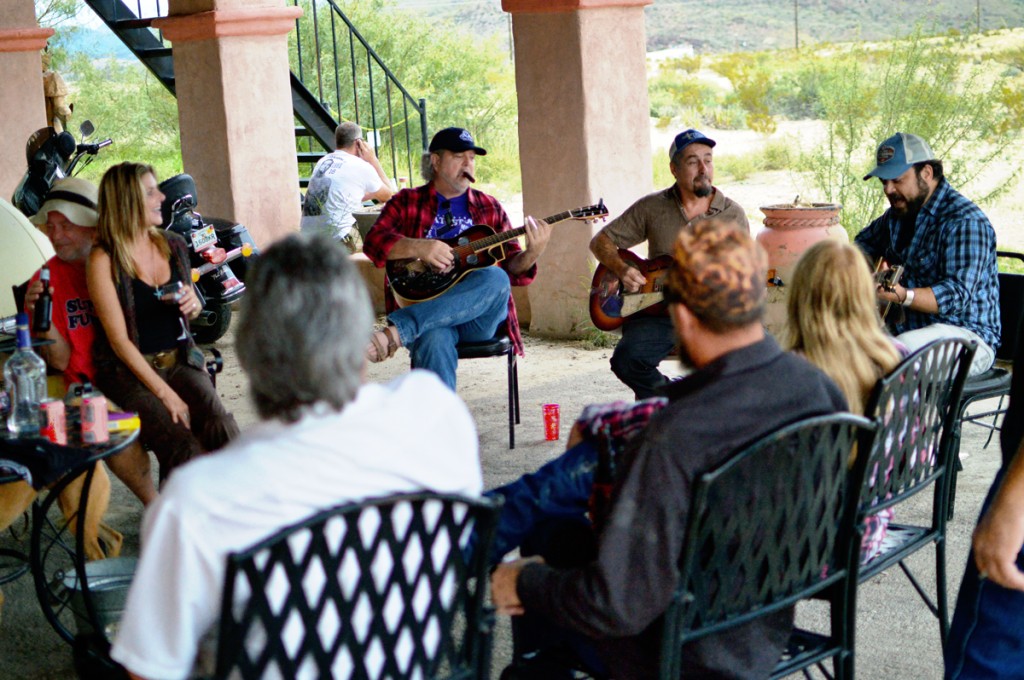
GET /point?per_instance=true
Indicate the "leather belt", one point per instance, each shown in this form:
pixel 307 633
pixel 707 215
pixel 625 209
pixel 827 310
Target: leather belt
pixel 162 360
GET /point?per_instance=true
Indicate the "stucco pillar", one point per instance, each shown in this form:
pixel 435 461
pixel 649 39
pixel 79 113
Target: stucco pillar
pixel 22 107
pixel 581 80
pixel 234 109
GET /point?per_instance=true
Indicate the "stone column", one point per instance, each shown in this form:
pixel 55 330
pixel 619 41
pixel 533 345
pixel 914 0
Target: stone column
pixel 581 79
pixel 234 109
pixel 22 107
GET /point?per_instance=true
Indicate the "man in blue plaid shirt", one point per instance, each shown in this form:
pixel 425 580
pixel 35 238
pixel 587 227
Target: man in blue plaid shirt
pixel 950 283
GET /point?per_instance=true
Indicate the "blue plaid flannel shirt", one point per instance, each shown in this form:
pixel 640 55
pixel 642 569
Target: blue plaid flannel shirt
pixel 953 252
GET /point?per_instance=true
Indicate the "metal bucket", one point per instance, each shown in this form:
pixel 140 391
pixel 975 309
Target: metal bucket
pixel 108 589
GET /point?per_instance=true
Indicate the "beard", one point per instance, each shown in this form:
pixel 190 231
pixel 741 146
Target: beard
pixel 913 204
pixel 702 187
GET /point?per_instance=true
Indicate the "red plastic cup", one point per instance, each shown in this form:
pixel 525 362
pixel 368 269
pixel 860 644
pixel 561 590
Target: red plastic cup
pixel 550 422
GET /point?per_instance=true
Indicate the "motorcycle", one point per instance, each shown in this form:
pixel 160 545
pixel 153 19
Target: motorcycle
pixel 51 156
pixel 219 252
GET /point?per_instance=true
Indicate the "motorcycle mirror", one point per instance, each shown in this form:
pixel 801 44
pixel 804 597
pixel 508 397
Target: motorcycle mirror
pixel 86 128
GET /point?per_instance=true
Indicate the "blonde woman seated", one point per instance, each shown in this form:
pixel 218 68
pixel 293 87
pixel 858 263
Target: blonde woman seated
pixel 835 324
pixel 146 359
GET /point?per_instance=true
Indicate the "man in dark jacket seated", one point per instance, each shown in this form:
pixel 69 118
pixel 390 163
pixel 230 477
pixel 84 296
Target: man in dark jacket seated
pixel 606 604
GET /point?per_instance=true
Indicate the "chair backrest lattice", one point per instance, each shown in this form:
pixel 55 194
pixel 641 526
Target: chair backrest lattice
pixel 914 407
pixel 770 526
pixel 377 589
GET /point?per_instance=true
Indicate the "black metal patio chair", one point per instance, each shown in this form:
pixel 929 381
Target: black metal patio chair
pixel 995 382
pixel 914 408
pixel 376 589
pixel 788 538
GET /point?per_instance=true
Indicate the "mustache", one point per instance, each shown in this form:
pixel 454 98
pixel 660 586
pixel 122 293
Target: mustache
pixel 468 175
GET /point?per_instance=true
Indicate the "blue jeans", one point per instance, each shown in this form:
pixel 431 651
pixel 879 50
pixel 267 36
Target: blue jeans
pixel 470 311
pixel 646 341
pixel 986 638
pixel 559 490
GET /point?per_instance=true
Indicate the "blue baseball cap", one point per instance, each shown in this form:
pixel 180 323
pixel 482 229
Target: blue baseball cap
pixel 898 154
pixel 685 139
pixel 455 139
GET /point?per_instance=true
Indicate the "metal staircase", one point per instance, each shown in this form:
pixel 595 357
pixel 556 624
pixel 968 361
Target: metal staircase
pixel 335 74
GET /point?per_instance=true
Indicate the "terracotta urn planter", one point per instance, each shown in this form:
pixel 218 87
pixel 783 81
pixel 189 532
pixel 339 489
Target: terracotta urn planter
pixel 789 230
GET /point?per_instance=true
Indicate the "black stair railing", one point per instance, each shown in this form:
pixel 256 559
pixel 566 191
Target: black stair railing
pixel 336 75
pixel 351 81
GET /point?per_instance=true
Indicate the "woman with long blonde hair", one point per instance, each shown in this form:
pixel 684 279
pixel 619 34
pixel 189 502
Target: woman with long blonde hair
pixel 146 360
pixel 834 322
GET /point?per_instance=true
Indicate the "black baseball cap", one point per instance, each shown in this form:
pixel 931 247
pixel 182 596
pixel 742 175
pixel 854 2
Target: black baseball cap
pixel 455 139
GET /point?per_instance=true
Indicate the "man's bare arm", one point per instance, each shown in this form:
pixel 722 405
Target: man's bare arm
pixel 1000 534
pixel 607 253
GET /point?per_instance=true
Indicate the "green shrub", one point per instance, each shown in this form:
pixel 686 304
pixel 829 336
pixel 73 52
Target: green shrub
pixel 912 86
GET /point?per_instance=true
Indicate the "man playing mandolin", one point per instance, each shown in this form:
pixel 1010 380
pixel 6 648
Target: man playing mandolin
pixel 419 225
pixel 647 337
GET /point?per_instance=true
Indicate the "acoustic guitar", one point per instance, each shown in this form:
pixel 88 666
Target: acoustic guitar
pixel 412 280
pixel 886 278
pixel 610 305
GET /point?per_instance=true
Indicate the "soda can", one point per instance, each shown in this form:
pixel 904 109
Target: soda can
pixel 94 418
pixel 551 417
pixel 54 425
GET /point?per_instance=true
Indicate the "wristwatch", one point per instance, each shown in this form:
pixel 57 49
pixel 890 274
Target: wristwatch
pixel 909 299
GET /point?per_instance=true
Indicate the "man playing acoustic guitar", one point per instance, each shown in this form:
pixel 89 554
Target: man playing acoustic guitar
pixel 657 218
pixel 412 226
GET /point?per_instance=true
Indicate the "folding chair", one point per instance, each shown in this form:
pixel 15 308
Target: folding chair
pixel 376 589
pixel 499 345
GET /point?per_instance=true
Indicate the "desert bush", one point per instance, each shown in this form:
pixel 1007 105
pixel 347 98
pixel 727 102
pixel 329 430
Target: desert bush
pixel 914 86
pixel 671 94
pixel 730 117
pixel 751 83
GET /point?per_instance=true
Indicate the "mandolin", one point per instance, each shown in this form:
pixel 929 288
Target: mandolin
pixel 412 280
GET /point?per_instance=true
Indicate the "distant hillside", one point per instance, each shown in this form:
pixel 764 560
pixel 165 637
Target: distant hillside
pixel 97 43
pixel 741 25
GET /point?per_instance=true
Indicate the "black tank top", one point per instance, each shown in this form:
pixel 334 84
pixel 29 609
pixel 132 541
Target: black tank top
pixel 158 323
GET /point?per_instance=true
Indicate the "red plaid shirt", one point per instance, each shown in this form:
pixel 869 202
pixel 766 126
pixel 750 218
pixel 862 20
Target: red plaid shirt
pixel 410 213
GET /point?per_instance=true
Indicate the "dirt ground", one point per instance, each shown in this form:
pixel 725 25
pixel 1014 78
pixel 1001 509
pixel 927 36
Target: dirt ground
pixel 897 637
pixel 572 376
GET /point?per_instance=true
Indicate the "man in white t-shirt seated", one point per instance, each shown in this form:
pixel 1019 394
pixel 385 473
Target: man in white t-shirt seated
pixel 325 438
pixel 341 181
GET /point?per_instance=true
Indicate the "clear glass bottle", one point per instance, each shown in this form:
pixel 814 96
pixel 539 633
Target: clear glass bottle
pixel 25 379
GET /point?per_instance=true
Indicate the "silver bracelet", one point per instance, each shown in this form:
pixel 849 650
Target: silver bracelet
pixel 909 299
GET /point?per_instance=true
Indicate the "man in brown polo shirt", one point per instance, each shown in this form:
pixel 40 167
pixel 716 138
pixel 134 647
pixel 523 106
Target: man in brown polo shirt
pixel 657 219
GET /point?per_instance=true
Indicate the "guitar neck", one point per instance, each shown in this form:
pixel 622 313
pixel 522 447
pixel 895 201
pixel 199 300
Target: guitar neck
pixel 501 237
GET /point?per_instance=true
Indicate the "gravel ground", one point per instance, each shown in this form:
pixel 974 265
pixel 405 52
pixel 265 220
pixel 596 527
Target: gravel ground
pixel 896 636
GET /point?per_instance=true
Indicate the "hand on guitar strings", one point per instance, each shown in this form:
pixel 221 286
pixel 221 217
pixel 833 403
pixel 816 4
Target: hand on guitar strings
pixel 632 279
pixel 437 254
